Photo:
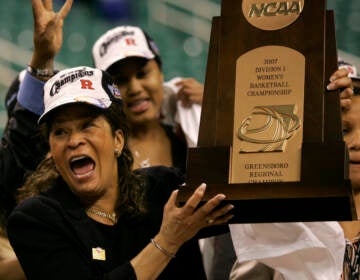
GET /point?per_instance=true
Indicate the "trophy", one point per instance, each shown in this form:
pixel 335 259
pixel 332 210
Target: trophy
pixel 270 137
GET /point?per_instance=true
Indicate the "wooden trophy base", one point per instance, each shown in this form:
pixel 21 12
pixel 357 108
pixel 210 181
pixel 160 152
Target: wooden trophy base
pixel 323 195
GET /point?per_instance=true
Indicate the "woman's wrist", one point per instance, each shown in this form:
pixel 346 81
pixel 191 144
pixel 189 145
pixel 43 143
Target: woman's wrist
pixel 167 248
pixel 40 67
pixel 40 72
pixel 162 249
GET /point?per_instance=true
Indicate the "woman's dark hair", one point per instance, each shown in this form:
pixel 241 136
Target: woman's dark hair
pixel 130 201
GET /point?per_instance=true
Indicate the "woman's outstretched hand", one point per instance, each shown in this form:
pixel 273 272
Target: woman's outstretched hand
pixel 340 80
pixel 182 223
pixel 48 31
pixel 191 91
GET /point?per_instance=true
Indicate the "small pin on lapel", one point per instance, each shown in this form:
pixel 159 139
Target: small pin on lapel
pixel 98 254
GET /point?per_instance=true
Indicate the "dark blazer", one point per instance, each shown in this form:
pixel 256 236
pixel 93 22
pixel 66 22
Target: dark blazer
pixel 53 237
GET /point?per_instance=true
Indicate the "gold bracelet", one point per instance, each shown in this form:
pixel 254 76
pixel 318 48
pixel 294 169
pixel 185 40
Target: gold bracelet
pixel 166 252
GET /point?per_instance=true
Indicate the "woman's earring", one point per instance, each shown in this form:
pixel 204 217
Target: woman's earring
pixel 117 152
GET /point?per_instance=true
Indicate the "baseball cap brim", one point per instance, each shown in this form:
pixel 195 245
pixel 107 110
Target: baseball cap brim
pixel 79 85
pixel 86 100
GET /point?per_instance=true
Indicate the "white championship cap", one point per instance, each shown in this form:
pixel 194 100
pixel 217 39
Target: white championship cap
pixel 122 42
pixel 80 84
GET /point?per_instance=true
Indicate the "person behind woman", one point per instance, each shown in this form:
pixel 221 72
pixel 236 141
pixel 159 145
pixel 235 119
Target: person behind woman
pixel 98 216
pixel 132 58
pixel 351 132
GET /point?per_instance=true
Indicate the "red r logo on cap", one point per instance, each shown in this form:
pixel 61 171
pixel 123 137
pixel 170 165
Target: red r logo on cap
pixel 130 41
pixel 86 84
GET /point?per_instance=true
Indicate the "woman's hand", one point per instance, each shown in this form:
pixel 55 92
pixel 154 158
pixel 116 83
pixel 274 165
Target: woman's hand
pixel 191 91
pixel 340 80
pixel 182 223
pixel 178 226
pixel 48 32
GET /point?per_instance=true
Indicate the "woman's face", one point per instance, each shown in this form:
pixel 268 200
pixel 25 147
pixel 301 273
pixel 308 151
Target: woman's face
pixel 82 146
pixel 351 131
pixel 141 85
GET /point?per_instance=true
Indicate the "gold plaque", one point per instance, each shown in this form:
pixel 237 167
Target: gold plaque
pixel 268 116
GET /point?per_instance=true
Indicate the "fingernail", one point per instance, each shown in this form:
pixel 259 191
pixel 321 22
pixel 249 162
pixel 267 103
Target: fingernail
pixel 202 187
pixel 221 196
pixel 332 78
pixel 330 86
pixel 231 206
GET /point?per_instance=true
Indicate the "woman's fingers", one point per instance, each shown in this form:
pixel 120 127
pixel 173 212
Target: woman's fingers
pixel 194 200
pixel 212 203
pixel 340 80
pixel 182 223
pixel 215 215
pixel 218 213
pixel 48 4
pixel 340 73
pixel 65 9
pixel 345 98
pixel 219 220
pixel 191 91
pixel 210 213
pixel 191 207
pixel 37 7
pixel 172 200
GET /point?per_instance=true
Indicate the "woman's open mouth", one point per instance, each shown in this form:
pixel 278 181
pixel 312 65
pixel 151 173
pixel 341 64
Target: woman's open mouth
pixel 82 166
